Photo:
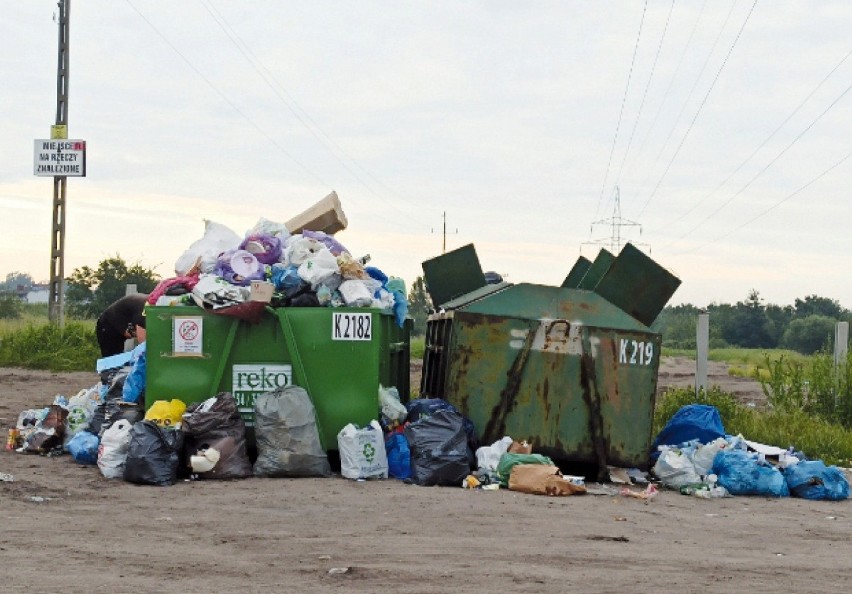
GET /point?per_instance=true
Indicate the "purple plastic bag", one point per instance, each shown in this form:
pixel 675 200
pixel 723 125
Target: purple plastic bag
pixel 266 248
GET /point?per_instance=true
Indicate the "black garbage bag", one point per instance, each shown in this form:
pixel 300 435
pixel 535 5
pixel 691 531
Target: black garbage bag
pixel 107 412
pixel 116 409
pixel 154 454
pixel 301 295
pixel 214 430
pixel 424 407
pixel 439 450
pixel 288 442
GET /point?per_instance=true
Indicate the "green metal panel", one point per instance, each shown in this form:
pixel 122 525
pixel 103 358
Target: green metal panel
pixel 637 284
pixel 453 274
pixel 529 301
pixel 526 379
pixel 576 274
pixel 341 376
pixel 596 270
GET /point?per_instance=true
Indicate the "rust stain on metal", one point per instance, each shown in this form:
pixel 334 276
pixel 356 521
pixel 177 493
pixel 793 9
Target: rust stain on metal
pixel 593 402
pixel 497 423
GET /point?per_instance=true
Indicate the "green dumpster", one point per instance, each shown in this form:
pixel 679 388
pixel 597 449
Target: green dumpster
pixel 564 368
pixel 339 355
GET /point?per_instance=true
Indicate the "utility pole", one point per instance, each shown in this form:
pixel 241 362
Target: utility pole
pixel 444 242
pixel 56 298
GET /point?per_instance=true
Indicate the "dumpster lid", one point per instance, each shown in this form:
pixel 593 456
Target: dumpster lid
pixel 453 274
pixel 535 302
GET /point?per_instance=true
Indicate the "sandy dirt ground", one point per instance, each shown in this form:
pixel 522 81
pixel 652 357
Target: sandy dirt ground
pixel 63 527
pixel 679 372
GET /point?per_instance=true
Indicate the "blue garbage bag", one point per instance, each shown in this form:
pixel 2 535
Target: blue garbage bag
pixel 134 386
pixel 399 456
pixel 693 421
pixel 83 447
pixel 741 473
pixel 285 277
pixel 814 480
pixel 400 308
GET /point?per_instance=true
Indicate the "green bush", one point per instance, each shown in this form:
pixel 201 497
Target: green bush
pixel 10 306
pixel 814 386
pixel 816 437
pixel 809 335
pixel 46 346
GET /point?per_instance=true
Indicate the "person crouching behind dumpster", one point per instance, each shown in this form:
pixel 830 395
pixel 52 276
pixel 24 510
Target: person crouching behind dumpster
pixel 122 320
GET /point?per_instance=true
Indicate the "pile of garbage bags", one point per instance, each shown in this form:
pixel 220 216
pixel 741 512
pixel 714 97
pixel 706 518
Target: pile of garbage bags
pixel 694 454
pixel 274 264
pixel 424 442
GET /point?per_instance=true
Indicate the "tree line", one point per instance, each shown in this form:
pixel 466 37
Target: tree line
pixel 806 326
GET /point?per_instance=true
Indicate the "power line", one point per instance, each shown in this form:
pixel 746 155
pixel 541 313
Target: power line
pixel 665 143
pixel 762 144
pixel 645 93
pixel 671 83
pixel 289 102
pixel 774 206
pixel 621 112
pixel 700 107
pixel 226 100
pixel 772 162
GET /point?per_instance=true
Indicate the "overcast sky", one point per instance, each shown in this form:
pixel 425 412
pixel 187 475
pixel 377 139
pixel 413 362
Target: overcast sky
pixel 723 125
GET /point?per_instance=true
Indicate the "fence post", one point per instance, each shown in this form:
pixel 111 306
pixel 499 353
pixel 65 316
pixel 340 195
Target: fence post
pixel 841 347
pixel 702 349
pixel 841 342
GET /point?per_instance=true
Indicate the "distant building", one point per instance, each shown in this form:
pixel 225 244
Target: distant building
pixel 37 294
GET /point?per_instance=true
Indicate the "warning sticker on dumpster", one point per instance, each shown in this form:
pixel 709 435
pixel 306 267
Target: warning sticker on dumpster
pixel 249 380
pixel 187 334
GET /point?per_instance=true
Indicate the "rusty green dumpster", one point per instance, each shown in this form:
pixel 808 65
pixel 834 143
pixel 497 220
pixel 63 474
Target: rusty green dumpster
pixel 570 370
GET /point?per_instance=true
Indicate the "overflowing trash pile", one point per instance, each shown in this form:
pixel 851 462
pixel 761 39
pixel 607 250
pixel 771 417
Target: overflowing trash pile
pixel 294 264
pixel 424 442
pixel 694 455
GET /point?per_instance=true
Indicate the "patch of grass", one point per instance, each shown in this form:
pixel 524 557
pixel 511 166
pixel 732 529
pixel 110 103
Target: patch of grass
pixel 670 352
pixel 46 346
pixel 417 347
pixel 753 357
pixel 817 438
pixel 815 386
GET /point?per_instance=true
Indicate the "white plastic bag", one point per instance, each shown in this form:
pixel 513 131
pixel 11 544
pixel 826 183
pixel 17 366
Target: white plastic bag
pixel 488 457
pixel 355 293
pixel 391 407
pixel 362 452
pixel 300 248
pixel 267 227
pixel 112 453
pixel 81 408
pixel 318 267
pixel 384 300
pixel 703 457
pixel 675 468
pixel 217 238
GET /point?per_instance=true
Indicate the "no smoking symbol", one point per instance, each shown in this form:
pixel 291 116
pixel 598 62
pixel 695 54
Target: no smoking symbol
pixel 188 330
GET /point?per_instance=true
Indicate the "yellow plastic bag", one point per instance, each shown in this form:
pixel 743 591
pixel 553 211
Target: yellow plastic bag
pixel 166 413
